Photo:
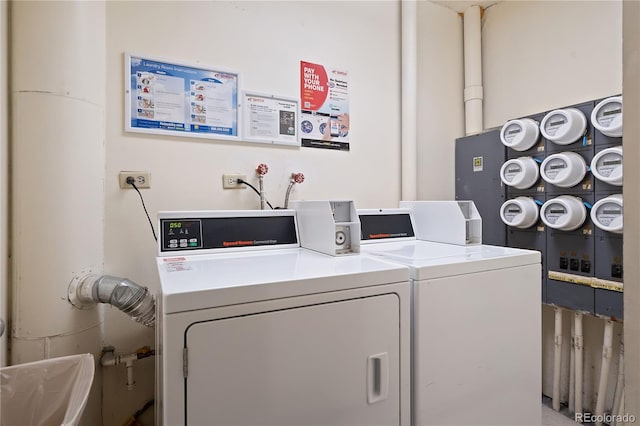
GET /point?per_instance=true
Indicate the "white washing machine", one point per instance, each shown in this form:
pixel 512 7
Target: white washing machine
pixel 254 330
pixel 476 325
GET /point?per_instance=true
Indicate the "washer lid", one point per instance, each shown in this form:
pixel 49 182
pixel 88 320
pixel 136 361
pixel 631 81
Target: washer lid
pixel 213 280
pixel 427 259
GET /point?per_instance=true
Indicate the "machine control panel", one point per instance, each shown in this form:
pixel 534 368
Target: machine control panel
pixel 385 226
pixel 226 232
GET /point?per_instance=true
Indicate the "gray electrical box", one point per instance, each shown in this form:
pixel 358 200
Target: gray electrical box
pixel 478 162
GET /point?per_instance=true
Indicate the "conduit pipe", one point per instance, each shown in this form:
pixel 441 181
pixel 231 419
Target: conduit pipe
pixel 604 370
pixel 557 357
pixel 572 368
pixel 473 90
pixel 409 118
pixel 131 298
pixel 617 396
pixel 579 345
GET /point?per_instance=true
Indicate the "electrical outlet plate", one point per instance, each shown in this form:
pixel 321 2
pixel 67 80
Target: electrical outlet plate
pixel 230 181
pixel 142 179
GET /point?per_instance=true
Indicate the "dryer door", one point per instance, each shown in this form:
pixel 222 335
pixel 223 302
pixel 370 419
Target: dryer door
pixel 329 364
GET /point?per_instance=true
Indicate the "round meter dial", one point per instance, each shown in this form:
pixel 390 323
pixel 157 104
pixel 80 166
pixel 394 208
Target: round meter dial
pixel 607 214
pixel 520 134
pixel 565 213
pixel 521 212
pixel 606 166
pixel 520 173
pixel 564 170
pixel 607 116
pixel 563 126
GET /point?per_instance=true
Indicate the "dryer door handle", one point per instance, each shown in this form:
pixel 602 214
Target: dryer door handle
pixel 377 377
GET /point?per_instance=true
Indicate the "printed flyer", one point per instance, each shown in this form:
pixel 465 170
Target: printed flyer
pixel 324 115
pixel 170 98
pixel 270 119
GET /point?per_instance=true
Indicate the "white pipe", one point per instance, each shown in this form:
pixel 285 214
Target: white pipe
pixel 262 194
pixel 617 396
pixel 572 368
pixel 579 345
pixel 557 357
pixel 409 155
pixel 604 370
pixel 473 91
pixel 109 359
pixel 620 412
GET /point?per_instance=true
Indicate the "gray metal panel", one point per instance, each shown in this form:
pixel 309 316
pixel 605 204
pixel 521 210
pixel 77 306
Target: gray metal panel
pixel 609 303
pixel 531 239
pixel 573 296
pixel 608 253
pixel 483 186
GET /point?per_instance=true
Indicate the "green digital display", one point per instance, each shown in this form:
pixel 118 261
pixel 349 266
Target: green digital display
pixel 173 225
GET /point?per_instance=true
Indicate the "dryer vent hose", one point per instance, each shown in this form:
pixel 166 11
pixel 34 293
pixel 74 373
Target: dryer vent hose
pixel 131 298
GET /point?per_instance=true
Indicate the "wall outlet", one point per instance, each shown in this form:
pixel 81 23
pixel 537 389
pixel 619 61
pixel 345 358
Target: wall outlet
pixel 141 179
pixel 230 181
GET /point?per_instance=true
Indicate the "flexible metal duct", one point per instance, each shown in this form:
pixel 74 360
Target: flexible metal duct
pixel 131 298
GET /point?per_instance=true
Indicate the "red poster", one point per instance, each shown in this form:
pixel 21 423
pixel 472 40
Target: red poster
pixel 314 87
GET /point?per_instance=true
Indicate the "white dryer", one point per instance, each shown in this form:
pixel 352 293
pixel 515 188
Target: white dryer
pixel 254 330
pixel 476 325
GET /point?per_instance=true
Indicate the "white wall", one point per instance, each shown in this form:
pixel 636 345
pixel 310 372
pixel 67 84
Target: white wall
pixel 631 89
pixel 4 175
pixel 440 99
pixel 264 41
pixel 542 55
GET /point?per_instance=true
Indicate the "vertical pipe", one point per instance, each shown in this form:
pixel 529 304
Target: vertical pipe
pixel 409 53
pixel 4 176
pixel 473 91
pixel 572 368
pixel 579 345
pixel 617 396
pixel 557 358
pixel 58 62
pixel 604 370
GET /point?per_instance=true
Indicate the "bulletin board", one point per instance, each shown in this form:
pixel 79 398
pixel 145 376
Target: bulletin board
pixel 270 118
pixel 172 98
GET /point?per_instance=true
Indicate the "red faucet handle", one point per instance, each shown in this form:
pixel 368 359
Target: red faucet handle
pixel 297 177
pixel 262 169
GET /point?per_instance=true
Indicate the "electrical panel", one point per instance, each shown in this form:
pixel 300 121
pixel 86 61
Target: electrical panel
pixel 563 197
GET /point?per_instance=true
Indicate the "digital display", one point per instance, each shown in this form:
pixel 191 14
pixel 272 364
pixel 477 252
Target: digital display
pixel 173 225
pixel 557 122
pixel 557 211
pixel 611 112
pixel 516 210
pixel 557 166
pixel 611 162
pixel 611 211
pixel 514 131
pixel 514 170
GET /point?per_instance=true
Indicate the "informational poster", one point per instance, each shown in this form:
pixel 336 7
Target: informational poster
pixel 270 119
pixel 324 115
pixel 172 98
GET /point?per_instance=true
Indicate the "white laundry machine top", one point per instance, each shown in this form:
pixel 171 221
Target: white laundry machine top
pixel 256 268
pixel 427 259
